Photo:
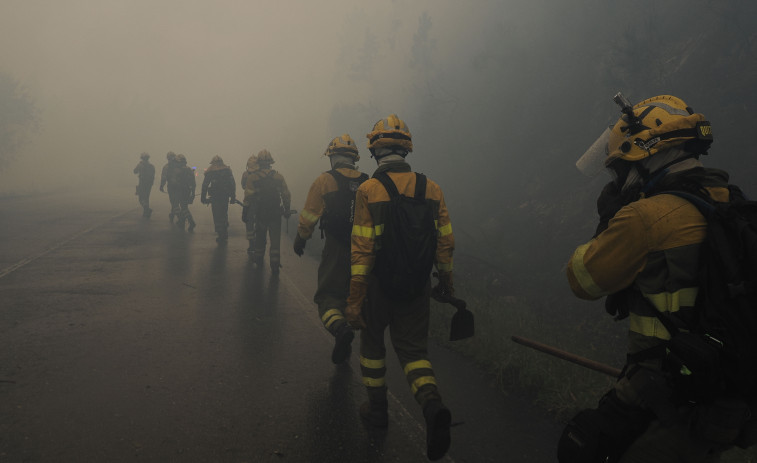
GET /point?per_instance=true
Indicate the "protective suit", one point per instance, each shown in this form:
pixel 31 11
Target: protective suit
pixel 248 215
pixel 168 178
pixel 266 194
pixel 645 258
pixel 185 185
pixel 331 201
pixel 219 190
pixel 146 173
pixel 372 310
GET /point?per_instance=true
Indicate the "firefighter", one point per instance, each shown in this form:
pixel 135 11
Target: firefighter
pixel 266 195
pixel 248 216
pixel 372 309
pixel 331 200
pixel 185 186
pixel 168 180
pixel 146 173
pixel 644 258
pixel 219 190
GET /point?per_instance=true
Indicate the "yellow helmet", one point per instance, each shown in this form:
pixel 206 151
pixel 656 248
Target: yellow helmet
pixel 391 131
pixel 343 145
pixel 655 125
pixel 252 162
pixel 264 157
pixel 216 160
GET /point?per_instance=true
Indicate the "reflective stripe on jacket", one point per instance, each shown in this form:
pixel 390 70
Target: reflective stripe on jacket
pixel 652 244
pixel 315 205
pixel 371 204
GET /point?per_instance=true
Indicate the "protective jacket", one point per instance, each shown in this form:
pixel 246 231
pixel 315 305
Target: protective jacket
pixel 185 183
pixel 266 191
pixel 166 174
pixel 371 203
pixel 652 245
pixel 219 183
pixel 146 173
pixel 316 204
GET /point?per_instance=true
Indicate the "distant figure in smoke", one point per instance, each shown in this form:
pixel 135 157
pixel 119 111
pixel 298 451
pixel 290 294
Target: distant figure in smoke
pixel 219 185
pixel 168 179
pixel 248 215
pixel 266 194
pixel 185 191
pixel 146 173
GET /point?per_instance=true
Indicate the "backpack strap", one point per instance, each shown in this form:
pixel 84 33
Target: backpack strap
pixel 420 186
pixel 389 185
pixel 705 207
pixel 391 188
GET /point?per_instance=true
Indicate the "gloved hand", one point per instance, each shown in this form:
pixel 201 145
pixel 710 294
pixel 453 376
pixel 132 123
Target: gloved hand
pixel 162 190
pixel 609 203
pixel 204 200
pixel 352 312
pixel 445 287
pixel 191 199
pixel 354 318
pixel 287 214
pixel 232 200
pixel 244 213
pixel 299 245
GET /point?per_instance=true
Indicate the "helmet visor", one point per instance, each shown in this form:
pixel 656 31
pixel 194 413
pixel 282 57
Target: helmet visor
pixel 593 160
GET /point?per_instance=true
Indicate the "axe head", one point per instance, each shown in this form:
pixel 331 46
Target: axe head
pixel 462 325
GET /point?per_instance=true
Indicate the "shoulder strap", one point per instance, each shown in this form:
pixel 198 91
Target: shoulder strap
pixel 703 205
pixel 420 186
pixel 385 180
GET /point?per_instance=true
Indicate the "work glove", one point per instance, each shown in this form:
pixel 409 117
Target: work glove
pixel 299 245
pixel 191 199
pixel 232 200
pixel 352 312
pixel 162 190
pixel 244 213
pixel 609 203
pixel 445 287
pixel 354 318
pixel 204 200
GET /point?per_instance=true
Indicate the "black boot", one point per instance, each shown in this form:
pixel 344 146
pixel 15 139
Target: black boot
pixel 192 224
pixel 375 410
pixel 342 344
pixel 438 420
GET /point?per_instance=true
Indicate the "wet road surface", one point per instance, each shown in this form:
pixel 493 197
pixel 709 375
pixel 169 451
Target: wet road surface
pixel 124 339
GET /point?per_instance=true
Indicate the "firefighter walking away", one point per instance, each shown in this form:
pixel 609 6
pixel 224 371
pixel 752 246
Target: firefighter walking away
pixel 331 200
pixel 401 230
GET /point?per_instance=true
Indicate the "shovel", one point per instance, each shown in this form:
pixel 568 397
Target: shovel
pixel 462 324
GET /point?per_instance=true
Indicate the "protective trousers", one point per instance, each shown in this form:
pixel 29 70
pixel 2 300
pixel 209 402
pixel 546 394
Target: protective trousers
pixel 267 225
pixel 408 330
pixel 664 443
pixel 184 215
pixel 143 193
pixel 220 208
pixel 333 284
pixel 173 199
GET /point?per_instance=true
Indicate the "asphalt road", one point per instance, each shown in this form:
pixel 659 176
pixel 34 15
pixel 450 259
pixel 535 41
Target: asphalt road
pixel 125 339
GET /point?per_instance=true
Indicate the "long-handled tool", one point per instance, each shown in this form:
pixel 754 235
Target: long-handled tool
pixel 573 358
pixel 462 325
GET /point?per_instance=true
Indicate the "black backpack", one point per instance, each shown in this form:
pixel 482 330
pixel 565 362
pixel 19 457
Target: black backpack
pixel 340 207
pixel 268 196
pixel 407 246
pixel 717 353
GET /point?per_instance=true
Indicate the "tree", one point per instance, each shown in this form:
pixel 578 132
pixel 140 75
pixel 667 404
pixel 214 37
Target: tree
pixel 18 118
